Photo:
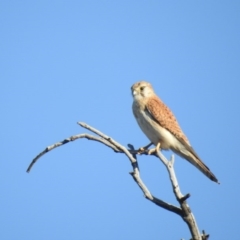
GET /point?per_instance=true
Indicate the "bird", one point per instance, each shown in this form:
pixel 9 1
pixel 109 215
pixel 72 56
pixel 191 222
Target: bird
pixel 160 126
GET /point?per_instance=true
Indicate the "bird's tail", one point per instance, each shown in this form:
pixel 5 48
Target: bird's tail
pixel 203 168
pixel 193 158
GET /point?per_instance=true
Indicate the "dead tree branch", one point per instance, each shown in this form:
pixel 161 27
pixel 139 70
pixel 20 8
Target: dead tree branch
pixel 183 211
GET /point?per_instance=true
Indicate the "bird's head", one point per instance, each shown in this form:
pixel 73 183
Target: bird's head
pixel 141 90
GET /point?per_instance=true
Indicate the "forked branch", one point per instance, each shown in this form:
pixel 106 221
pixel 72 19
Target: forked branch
pixel 183 211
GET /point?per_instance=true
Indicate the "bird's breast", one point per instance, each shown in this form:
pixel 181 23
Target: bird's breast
pixel 154 131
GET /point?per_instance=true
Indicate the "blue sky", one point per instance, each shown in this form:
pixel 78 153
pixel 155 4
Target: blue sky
pixel 68 61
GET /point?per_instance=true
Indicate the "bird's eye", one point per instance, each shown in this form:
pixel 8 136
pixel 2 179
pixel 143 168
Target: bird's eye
pixel 141 88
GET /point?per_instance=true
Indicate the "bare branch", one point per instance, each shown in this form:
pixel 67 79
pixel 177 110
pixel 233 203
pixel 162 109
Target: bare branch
pixel 187 214
pixel 184 211
pixel 67 140
pixel 136 176
pixel 131 154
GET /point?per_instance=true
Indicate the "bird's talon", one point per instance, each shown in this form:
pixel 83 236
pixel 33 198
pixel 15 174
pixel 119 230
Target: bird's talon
pixel 151 151
pixel 156 149
pixel 142 150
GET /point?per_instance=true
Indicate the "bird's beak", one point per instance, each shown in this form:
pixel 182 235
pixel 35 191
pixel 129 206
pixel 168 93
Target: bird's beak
pixel 134 92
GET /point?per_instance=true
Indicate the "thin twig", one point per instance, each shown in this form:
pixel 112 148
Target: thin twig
pixel 67 140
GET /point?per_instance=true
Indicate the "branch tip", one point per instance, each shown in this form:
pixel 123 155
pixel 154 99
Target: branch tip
pixel 130 146
pixel 184 198
pixel 205 236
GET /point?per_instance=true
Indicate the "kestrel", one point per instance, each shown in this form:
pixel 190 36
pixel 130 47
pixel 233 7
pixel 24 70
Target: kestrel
pixel 161 127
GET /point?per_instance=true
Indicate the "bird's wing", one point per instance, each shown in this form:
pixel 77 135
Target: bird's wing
pixel 161 114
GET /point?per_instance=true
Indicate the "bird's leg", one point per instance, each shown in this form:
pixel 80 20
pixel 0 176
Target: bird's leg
pixel 143 149
pixel 156 149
